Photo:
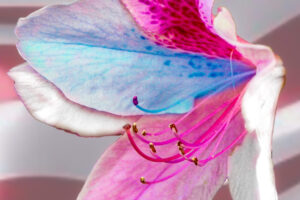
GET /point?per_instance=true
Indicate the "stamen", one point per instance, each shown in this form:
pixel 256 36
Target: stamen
pixel 199 140
pixel 139 151
pixel 205 119
pixel 192 152
pixel 204 161
pixel 134 128
pixel 233 112
pixel 151 145
pixel 208 117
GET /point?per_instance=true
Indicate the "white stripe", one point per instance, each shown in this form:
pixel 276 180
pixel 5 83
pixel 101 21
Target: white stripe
pixel 29 3
pixel 286 133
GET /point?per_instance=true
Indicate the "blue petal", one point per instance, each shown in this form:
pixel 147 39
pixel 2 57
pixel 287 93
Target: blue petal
pixel 98 58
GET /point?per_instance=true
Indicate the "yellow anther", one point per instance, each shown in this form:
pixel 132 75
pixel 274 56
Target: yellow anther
pixel 173 128
pixel 144 132
pixel 151 145
pixel 143 180
pixel 181 149
pixel 134 128
pixel 195 160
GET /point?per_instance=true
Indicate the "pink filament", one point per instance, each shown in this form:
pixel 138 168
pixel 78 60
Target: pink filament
pixel 208 117
pixel 215 132
pixel 199 140
pixel 201 163
pixel 233 112
pixel 225 149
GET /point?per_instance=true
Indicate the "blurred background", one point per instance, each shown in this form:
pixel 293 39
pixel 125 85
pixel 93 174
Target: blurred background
pixel 54 164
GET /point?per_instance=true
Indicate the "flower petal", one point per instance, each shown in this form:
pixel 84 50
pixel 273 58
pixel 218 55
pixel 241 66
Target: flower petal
pixel 254 156
pixel 184 25
pixel 78 48
pixel 116 176
pixel 47 104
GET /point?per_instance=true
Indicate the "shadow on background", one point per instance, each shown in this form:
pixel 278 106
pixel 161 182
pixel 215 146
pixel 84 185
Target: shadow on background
pixel 285 42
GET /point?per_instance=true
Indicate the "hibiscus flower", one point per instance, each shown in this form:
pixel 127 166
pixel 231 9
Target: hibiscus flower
pixel 194 103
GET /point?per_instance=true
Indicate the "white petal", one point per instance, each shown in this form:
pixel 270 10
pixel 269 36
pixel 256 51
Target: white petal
pixel 47 104
pixel 224 25
pixel 251 170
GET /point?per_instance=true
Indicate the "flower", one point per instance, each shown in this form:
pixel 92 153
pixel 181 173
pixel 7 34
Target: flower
pixel 179 85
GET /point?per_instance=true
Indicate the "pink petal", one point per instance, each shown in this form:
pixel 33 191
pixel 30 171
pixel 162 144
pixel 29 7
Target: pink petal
pixel 47 104
pixel 254 156
pixel 184 25
pixel 117 174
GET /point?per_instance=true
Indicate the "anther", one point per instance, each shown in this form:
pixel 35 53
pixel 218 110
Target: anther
pixel 127 126
pixel 144 132
pixel 151 145
pixel 181 149
pixel 134 128
pixel 143 180
pixel 135 100
pixel 179 144
pixel 173 128
pixel 195 160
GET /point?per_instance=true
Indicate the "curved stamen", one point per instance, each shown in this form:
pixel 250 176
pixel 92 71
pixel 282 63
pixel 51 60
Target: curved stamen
pixel 199 140
pixel 208 117
pixel 139 151
pixel 195 160
pixel 205 119
pixel 234 111
pixel 204 161
pixel 184 157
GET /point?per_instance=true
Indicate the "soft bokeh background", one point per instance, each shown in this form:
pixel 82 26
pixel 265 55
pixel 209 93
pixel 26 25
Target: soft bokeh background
pixel 29 148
